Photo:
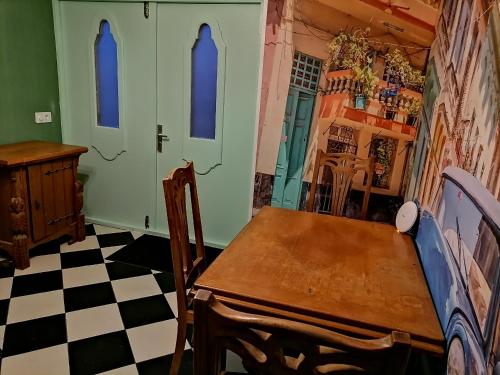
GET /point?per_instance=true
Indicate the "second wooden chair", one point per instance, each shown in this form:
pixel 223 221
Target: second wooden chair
pixel 273 346
pixel 343 167
pixel 186 269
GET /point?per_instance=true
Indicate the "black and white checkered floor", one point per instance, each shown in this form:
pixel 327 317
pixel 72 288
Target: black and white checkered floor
pixel 73 312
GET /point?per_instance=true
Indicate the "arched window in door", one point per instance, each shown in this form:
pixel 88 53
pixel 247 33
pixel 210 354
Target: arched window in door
pixel 106 76
pixel 203 85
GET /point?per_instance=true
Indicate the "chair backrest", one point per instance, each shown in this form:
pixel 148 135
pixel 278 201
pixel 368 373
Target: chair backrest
pixel 186 269
pixel 273 346
pixel 343 167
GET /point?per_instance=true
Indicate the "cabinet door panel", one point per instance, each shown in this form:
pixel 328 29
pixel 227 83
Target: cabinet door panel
pixel 48 201
pixel 36 202
pixel 69 192
pixel 51 197
pixel 59 201
pixel 62 202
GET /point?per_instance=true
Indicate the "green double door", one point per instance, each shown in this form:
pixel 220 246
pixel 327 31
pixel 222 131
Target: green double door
pixel 293 146
pixel 124 167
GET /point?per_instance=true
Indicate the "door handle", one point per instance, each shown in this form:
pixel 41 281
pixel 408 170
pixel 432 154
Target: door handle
pixel 160 137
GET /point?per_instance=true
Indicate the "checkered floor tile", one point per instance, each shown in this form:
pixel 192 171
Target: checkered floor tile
pixel 73 312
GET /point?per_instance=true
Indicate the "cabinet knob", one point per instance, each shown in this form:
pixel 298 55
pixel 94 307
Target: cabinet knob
pixel 37 205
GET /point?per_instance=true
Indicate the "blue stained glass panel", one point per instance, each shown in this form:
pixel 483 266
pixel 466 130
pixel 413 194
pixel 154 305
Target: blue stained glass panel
pixel 106 68
pixel 203 85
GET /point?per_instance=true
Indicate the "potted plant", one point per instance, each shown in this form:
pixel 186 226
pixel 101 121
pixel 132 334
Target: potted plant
pixel 390 112
pixel 382 151
pixel 401 73
pixel 366 80
pixel 350 51
pixel 413 111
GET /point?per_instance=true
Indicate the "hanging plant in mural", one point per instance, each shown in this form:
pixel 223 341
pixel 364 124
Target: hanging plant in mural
pixel 401 73
pixel 348 50
pixel 366 79
pixel 413 111
pixel 383 151
pixel 351 51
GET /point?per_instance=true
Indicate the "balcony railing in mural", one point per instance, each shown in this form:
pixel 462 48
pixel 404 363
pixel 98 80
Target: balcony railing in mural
pixel 332 108
pixel 385 109
pixel 378 121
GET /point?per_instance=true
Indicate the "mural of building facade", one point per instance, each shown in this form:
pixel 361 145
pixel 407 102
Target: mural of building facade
pixel 459 137
pixel 461 113
pixel 454 42
pixel 448 126
pixel 307 105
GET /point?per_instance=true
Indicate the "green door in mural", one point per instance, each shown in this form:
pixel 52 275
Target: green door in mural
pixel 431 91
pixel 170 64
pixel 290 164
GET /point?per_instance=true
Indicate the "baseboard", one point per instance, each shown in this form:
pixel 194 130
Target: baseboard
pixel 106 223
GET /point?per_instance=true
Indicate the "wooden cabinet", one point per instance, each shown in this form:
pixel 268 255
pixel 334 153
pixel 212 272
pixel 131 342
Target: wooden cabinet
pixel 40 196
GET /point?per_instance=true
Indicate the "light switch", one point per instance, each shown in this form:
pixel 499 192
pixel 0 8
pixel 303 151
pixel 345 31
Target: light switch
pixel 43 117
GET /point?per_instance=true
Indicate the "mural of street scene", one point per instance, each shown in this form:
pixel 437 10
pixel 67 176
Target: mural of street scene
pixel 412 87
pixel 412 84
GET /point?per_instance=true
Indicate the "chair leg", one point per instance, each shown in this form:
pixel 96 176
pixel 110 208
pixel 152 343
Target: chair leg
pixel 179 347
pixel 223 359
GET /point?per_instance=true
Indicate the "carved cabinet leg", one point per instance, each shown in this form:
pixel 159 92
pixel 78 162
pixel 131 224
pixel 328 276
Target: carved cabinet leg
pixel 19 232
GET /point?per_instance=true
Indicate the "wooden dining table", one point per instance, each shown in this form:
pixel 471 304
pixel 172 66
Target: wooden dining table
pixel 358 277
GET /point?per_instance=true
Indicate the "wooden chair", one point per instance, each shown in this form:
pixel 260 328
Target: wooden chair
pixel 186 269
pixel 343 168
pixel 262 343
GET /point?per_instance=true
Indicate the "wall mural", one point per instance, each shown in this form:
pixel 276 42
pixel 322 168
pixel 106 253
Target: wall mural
pixel 460 139
pixel 462 121
pixel 374 85
pixel 363 93
pixel 372 101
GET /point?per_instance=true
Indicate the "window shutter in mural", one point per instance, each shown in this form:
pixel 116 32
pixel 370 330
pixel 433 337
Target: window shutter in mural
pixel 305 71
pixel 203 85
pixel 106 71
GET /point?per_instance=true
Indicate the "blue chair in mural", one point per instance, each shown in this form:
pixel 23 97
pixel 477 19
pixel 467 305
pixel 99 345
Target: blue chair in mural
pixel 459 252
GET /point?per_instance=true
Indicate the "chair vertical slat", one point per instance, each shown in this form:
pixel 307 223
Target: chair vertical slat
pixel 343 167
pixel 312 192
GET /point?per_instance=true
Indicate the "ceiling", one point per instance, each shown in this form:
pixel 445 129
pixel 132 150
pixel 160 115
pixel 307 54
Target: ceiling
pixel 411 20
pixel 408 23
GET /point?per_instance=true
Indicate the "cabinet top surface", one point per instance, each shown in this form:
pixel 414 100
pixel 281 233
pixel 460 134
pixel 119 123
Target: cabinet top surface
pixel 25 153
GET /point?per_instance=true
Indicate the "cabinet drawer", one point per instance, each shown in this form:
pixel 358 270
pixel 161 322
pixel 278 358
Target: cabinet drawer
pixel 51 187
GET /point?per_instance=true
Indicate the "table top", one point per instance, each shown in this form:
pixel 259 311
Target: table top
pixel 25 153
pixel 358 276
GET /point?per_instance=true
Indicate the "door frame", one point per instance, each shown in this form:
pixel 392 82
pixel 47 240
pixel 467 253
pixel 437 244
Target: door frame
pixel 419 157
